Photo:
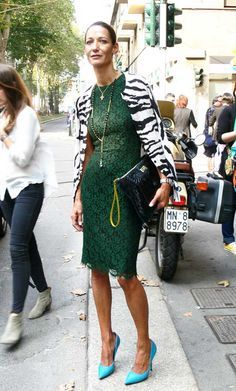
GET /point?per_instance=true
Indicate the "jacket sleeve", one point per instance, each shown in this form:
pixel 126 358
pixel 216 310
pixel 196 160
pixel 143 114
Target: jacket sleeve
pixel 26 136
pixel 157 146
pixel 77 151
pixel 83 108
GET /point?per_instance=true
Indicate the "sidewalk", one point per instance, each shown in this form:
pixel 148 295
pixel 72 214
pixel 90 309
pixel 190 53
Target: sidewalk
pixel 171 370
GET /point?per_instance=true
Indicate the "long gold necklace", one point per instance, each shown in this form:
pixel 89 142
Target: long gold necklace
pixel 102 137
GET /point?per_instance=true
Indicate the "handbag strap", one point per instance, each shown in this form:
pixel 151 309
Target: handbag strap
pixel 116 203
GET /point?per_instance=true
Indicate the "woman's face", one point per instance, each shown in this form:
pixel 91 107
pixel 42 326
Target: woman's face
pixel 99 48
pixel 3 97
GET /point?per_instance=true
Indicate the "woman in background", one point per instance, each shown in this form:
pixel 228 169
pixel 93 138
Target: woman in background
pixel 226 134
pixel 26 176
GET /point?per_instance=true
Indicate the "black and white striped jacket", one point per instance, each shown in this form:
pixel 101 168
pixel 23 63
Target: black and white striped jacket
pixel 145 114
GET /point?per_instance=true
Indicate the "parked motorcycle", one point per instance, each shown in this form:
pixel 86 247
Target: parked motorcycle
pixel 172 221
pixel 3 225
pixel 207 199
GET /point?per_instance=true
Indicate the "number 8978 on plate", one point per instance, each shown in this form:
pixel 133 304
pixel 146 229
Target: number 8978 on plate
pixel 175 220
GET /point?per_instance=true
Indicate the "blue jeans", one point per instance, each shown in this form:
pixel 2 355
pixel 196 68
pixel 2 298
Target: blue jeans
pixel 21 213
pixel 228 228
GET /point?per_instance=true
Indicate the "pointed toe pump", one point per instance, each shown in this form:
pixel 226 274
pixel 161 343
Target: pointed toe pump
pixel 105 371
pixel 133 377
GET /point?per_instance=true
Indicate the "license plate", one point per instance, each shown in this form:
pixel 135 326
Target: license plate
pixel 175 220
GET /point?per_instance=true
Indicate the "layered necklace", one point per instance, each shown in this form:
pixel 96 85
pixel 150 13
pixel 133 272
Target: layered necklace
pixel 102 137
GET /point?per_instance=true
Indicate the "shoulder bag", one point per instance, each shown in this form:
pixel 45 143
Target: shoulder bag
pixel 140 185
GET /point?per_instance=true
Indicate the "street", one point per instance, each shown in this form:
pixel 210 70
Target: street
pixel 62 347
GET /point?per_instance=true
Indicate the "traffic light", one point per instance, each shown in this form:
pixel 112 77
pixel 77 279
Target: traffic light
pixel 171 26
pixel 152 23
pixel 198 76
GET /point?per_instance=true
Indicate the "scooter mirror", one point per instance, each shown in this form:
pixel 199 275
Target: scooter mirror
pixel 200 139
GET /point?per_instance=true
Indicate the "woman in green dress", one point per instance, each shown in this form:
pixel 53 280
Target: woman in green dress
pixel 112 128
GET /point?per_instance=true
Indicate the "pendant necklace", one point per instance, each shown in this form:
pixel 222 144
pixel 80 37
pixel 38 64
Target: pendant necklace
pixel 102 137
pixel 102 91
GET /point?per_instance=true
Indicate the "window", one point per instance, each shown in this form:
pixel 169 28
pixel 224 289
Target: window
pixel 230 3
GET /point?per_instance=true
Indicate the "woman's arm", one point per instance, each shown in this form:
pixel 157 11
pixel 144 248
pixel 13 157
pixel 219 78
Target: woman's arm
pixel 77 210
pixel 228 137
pixel 22 147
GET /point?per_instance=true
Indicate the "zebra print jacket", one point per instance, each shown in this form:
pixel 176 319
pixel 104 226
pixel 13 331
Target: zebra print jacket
pixel 145 114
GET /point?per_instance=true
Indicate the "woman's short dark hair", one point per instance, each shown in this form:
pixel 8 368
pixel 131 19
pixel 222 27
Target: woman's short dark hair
pixel 106 26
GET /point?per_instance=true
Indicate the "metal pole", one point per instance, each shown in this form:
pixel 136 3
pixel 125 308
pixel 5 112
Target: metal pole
pixel 162 48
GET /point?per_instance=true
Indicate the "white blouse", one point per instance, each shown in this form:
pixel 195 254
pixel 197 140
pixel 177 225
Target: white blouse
pixel 28 160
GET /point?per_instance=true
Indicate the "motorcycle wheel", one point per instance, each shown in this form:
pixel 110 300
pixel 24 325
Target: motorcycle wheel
pixel 3 226
pixel 167 249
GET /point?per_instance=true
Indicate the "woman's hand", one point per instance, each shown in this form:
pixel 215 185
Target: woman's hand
pixel 161 197
pixel 77 215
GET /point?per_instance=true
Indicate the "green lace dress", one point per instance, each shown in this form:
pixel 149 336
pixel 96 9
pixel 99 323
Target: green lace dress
pixel 106 248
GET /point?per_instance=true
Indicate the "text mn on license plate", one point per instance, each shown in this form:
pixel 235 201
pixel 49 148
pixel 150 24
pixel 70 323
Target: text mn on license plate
pixel 175 220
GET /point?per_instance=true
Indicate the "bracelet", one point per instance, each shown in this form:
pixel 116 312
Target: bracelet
pixel 166 180
pixel 3 136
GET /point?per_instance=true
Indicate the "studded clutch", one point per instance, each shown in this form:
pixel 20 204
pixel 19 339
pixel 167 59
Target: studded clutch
pixel 140 185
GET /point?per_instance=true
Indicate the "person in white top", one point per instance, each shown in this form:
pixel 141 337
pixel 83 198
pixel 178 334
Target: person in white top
pixel 27 175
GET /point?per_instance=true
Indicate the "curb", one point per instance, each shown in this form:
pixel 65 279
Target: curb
pixel 50 120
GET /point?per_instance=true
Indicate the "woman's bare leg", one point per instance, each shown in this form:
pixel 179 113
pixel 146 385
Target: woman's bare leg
pixel 103 299
pixel 136 299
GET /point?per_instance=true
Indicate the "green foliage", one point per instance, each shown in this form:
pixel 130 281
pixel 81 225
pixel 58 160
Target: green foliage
pixel 28 37
pixel 42 33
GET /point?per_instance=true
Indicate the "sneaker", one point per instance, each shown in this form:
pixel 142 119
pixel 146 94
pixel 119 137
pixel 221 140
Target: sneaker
pixel 231 247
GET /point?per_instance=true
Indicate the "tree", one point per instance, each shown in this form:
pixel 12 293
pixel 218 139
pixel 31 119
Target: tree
pixel 4 29
pixel 60 60
pixel 41 36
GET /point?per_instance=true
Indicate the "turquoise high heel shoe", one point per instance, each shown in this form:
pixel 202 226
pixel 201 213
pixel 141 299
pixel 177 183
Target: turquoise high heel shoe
pixel 105 371
pixel 133 377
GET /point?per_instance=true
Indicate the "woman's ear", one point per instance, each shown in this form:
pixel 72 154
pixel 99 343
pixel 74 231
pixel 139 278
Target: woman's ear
pixel 115 48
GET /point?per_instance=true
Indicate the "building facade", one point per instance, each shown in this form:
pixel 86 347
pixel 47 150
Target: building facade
pixel 208 42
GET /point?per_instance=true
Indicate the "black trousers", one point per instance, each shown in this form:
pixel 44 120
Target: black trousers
pixel 21 213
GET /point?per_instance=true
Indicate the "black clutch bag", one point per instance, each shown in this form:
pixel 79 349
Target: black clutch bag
pixel 140 185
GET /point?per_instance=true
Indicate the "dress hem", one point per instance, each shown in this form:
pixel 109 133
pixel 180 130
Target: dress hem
pixel 112 272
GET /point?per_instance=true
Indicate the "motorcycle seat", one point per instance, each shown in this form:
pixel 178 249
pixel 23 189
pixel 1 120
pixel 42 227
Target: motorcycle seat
pixel 183 166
